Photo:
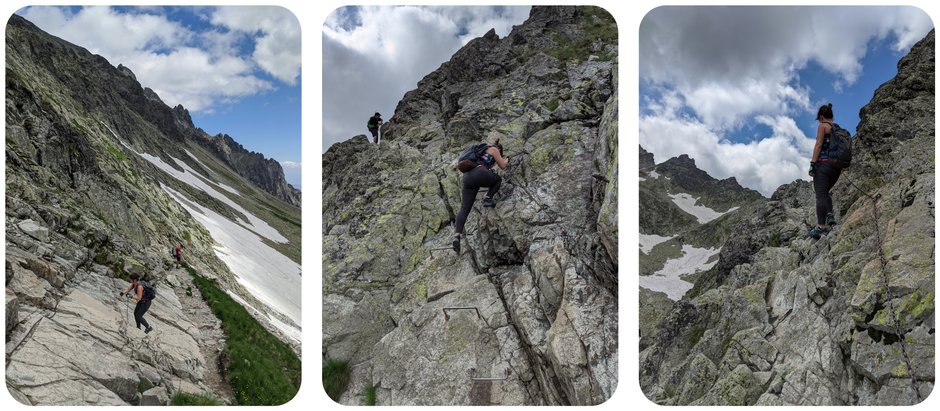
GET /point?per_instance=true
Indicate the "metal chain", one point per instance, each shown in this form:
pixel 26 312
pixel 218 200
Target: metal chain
pixel 884 279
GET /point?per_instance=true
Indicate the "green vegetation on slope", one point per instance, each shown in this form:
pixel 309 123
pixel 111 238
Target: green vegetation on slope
pixel 263 370
pixel 599 27
pixel 185 398
pixel 335 378
pixel 369 395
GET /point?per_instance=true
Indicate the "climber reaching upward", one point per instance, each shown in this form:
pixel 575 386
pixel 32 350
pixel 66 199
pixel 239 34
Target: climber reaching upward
pixel 144 293
pixel 476 164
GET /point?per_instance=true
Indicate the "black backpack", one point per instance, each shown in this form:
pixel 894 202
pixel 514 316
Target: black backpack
pixel 149 292
pixel 840 146
pixel 474 153
pixel 471 157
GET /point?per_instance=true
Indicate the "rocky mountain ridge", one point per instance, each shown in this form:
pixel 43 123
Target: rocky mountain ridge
pixel 685 217
pixel 783 319
pixel 527 313
pixel 102 181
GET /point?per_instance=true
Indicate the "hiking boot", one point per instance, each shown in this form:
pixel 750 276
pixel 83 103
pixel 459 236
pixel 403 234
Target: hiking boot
pixel 456 244
pixel 830 220
pixel 148 330
pixel 489 202
pixel 817 232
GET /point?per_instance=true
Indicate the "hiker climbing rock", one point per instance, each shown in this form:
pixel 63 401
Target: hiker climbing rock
pixel 178 254
pixel 831 154
pixel 476 163
pixel 375 122
pixel 144 293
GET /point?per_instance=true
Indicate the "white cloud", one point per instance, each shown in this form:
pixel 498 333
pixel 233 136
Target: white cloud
pixel 762 165
pixel 731 63
pixel 712 70
pixel 373 55
pixel 293 171
pixel 277 49
pixel 199 70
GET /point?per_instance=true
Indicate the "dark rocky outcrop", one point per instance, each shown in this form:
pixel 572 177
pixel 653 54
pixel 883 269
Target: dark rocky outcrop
pixel 264 172
pixel 540 269
pixel 115 92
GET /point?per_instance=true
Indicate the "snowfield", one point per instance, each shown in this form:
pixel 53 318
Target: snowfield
pixel 704 214
pixel 650 241
pixel 191 177
pixel 669 279
pixel 271 277
pixel 267 274
pixel 201 164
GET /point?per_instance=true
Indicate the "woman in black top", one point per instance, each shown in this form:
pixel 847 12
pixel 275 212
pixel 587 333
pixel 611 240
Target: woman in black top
pixel 824 173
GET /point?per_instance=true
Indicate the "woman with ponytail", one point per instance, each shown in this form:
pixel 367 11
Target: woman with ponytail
pixel 824 173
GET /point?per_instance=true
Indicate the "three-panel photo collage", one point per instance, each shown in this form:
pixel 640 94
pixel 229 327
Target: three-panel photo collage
pixel 466 227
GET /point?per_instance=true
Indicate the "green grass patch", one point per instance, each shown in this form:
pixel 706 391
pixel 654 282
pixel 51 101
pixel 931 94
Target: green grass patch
pixel 369 394
pixel 143 385
pixel 553 104
pixel 185 398
pixel 598 26
pixel 263 369
pixel 336 378
pixel 115 152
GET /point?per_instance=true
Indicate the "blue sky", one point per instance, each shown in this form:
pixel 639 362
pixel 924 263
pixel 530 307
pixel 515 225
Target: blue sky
pixel 738 88
pixel 236 69
pixel 372 55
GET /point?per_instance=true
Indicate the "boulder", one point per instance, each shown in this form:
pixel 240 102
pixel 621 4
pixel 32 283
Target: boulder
pixel 155 396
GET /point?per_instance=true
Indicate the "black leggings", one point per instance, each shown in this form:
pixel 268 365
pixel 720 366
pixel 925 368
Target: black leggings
pixel 825 177
pixel 140 310
pixel 472 181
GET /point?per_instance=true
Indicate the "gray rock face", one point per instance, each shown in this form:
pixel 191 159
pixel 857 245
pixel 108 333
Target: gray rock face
pixel 527 313
pixel 155 396
pixel 82 211
pixel 263 172
pixel 845 320
pixel 34 230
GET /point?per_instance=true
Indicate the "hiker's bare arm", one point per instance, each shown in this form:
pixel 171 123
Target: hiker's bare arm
pixel 820 137
pixel 139 293
pixel 502 162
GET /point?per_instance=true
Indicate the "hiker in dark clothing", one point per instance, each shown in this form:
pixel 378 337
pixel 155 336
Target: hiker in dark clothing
pixel 375 122
pixel 136 291
pixel 476 174
pixel 824 173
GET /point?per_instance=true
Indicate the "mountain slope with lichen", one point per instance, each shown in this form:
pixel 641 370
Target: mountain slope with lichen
pixel 845 320
pixel 531 302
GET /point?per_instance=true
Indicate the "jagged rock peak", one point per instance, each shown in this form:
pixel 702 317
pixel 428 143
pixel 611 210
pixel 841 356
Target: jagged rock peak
pixel 646 159
pixel 126 71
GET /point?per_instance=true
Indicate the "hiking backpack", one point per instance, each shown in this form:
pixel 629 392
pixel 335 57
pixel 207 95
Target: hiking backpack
pixel 149 292
pixel 471 157
pixel 840 146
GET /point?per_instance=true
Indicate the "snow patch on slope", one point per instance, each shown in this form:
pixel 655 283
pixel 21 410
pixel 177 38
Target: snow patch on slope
pixel 268 275
pixel 650 241
pixel 669 279
pixel 189 176
pixel 201 164
pixel 688 204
